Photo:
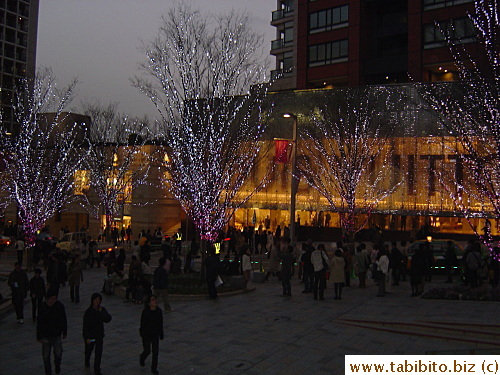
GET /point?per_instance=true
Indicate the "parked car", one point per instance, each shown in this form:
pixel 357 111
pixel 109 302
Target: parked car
pixel 72 244
pixel 4 242
pixel 438 250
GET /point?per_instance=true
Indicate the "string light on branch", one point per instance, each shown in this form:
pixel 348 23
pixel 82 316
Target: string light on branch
pixel 206 73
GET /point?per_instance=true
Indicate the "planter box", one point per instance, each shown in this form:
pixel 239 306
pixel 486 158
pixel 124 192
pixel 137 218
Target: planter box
pixel 259 277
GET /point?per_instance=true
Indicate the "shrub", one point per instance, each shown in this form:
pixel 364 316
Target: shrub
pixel 464 293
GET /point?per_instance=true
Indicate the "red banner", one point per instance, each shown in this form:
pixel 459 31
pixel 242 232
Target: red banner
pixel 281 150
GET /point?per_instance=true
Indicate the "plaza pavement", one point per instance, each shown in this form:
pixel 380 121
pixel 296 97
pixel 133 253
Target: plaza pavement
pixel 258 332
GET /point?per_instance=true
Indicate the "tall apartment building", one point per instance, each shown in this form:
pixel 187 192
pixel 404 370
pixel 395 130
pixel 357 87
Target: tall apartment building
pixel 334 43
pixel 18 37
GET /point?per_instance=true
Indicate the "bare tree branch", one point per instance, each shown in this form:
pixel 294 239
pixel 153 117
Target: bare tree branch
pixel 203 69
pixel 44 154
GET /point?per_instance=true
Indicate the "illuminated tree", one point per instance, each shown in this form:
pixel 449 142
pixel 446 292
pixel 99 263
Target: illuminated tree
pixel 203 68
pixel 117 162
pixel 43 154
pixel 470 110
pixel 344 155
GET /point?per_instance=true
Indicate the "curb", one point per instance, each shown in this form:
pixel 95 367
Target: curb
pixel 192 297
pixel 199 297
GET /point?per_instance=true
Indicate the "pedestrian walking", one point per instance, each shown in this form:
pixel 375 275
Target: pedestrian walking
pixel 51 328
pixel 75 273
pixel 396 260
pixel 337 273
pixel 20 250
pixel 405 267
pixel 151 331
pixel 212 270
pixel 361 264
pixel 417 271
pixel 19 285
pixel 246 266
pixel 382 271
pixel 320 263
pixel 160 282
pixel 274 260
pixel 307 267
pixel 37 292
pixel 287 271
pixel 57 273
pixel 93 331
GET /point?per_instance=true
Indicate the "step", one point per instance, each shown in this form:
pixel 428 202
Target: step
pixel 478 334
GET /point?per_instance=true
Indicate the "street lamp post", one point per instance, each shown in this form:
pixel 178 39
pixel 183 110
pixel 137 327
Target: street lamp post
pixel 295 182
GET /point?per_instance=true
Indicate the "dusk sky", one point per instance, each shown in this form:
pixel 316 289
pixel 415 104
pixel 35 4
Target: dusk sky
pixel 98 42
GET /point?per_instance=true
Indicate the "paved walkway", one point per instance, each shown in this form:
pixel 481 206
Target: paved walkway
pixel 252 333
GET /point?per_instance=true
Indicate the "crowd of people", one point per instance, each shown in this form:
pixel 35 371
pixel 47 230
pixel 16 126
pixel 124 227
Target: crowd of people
pixel 388 264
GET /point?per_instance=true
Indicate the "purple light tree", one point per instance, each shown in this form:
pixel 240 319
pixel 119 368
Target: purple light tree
pixel 345 153
pixel 118 162
pixel 43 153
pixel 206 72
pixel 470 111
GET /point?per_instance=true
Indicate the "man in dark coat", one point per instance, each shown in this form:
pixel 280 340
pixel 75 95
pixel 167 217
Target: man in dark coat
pixel 287 271
pixel 212 269
pixel 151 330
pixel 396 263
pixel 307 267
pixel 51 326
pixel 93 331
pixel 20 285
pixel 37 292
pixel 160 282
pixel 417 271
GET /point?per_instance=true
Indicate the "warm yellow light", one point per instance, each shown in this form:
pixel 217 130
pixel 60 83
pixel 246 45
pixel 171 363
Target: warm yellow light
pixel 429 238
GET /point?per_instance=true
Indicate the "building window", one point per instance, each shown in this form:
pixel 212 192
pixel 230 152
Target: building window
pixel 328 19
pixel 285 9
pixel 433 4
pixel 287 5
pixel 328 53
pixel 461 31
pixel 287 64
pixel 288 34
pixel 81 184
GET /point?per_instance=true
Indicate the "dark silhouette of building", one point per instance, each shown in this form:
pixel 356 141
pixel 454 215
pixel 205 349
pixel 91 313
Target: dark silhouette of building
pixel 18 38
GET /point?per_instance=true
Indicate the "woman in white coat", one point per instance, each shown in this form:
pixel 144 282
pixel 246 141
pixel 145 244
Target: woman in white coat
pixel 337 273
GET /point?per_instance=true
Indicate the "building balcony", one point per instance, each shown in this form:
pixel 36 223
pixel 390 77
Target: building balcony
pixel 281 15
pixel 278 14
pixel 281 73
pixel 280 44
